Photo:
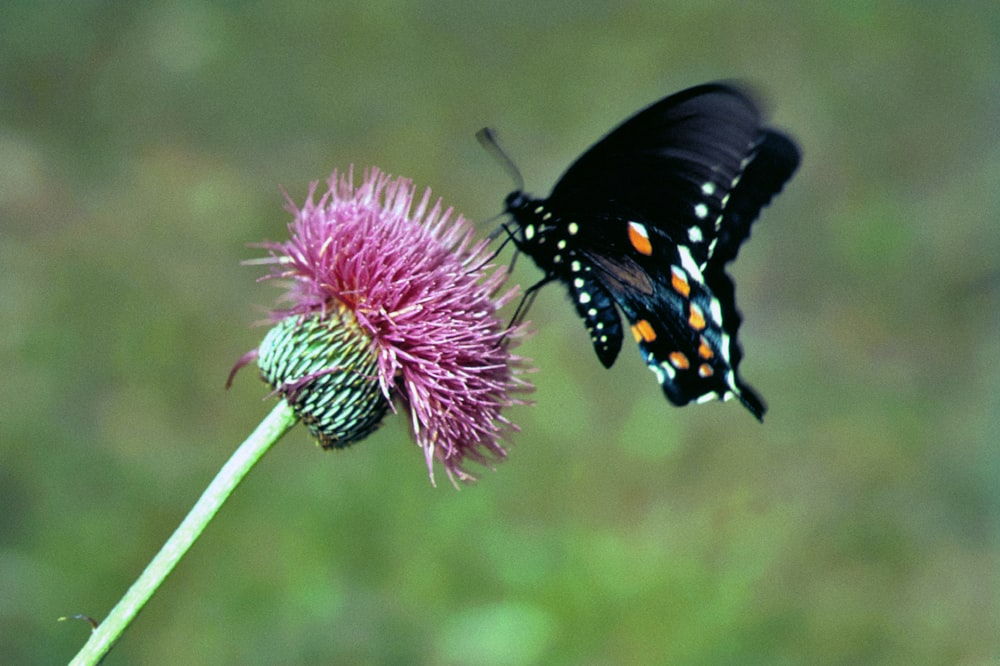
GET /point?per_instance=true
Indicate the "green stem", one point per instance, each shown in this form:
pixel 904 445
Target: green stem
pixel 270 430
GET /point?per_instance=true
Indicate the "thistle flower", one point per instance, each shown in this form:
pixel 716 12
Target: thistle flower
pixel 392 306
pixel 389 305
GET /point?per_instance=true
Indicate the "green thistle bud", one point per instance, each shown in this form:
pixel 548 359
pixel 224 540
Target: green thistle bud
pixel 324 367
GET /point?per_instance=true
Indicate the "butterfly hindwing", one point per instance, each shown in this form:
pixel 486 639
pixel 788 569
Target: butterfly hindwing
pixel 685 328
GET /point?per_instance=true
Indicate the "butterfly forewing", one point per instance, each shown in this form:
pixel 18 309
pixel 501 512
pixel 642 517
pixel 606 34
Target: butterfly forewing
pixel 671 166
pixel 774 160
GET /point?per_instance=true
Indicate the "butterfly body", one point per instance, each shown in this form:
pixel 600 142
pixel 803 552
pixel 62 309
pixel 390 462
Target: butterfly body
pixel 644 222
pixel 551 242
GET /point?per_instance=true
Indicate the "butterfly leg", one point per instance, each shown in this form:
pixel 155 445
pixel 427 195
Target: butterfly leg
pixel 527 300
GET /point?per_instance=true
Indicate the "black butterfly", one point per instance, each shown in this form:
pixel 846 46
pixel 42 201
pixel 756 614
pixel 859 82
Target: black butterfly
pixel 645 222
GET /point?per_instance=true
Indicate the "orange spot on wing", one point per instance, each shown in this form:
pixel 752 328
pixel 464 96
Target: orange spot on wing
pixel 679 284
pixel 704 350
pixel 679 361
pixel 705 371
pixel 640 241
pixel 643 330
pixel 696 318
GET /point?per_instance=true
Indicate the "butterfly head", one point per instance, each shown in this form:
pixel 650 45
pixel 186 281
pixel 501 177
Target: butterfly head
pixel 534 223
pixel 515 202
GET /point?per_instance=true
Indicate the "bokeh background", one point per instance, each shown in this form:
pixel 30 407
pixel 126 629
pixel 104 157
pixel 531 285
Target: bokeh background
pixel 143 145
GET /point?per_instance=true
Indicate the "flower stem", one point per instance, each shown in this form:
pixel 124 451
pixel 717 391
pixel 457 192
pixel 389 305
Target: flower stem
pixel 270 430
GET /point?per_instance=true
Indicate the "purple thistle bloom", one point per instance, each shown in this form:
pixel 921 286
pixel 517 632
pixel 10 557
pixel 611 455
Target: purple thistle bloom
pixel 411 288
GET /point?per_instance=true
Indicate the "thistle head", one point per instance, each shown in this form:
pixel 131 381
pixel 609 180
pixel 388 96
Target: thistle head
pixel 390 304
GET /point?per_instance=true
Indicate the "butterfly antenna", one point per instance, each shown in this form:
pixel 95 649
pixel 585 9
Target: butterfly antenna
pixel 488 140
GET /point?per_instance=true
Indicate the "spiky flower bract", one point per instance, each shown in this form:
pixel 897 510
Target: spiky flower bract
pixel 411 285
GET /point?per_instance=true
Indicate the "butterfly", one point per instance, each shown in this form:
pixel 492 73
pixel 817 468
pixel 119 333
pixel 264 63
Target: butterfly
pixel 644 223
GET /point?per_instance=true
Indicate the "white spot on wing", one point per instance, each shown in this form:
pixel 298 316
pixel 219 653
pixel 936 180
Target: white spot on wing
pixel 661 376
pixel 695 235
pixel 724 348
pixel 701 211
pixel 688 263
pixel 708 397
pixel 716 309
pixel 665 369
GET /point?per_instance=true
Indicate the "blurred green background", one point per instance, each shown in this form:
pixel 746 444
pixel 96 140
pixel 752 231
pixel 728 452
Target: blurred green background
pixel 142 146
